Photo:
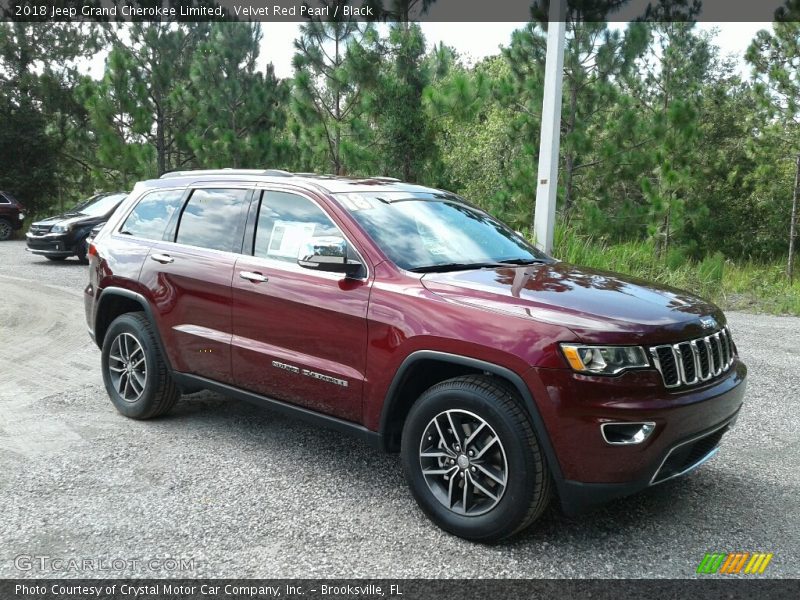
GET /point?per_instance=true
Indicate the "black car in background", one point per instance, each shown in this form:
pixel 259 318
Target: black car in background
pixel 62 236
pixel 12 214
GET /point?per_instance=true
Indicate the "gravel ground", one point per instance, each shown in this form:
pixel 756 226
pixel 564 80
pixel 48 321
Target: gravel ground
pixel 243 492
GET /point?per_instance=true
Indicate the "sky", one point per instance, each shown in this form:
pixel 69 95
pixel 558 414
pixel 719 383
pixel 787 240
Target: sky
pixel 473 41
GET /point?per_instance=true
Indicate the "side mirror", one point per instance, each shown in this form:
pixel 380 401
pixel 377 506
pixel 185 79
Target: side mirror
pixel 327 253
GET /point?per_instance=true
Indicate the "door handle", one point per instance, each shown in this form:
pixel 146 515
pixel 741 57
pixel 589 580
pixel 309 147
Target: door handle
pixel 254 277
pixel 162 258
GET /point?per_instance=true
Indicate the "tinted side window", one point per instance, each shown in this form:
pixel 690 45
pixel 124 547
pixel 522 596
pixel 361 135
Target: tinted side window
pixel 4 200
pixel 213 219
pixel 284 222
pixel 152 214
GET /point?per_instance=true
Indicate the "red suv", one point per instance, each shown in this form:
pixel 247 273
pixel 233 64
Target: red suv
pixel 410 318
pixel 12 215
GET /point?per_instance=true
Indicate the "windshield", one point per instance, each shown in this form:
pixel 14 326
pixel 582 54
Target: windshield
pixel 430 232
pixel 99 205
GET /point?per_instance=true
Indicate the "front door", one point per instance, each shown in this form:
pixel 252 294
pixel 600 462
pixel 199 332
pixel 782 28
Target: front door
pixel 298 335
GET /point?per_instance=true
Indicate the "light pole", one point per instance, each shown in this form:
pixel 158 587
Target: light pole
pixel 550 138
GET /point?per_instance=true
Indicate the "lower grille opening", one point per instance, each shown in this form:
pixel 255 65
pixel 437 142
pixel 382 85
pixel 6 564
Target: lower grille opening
pixel 685 457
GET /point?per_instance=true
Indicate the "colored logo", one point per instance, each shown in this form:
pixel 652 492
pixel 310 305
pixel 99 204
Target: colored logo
pixel 733 563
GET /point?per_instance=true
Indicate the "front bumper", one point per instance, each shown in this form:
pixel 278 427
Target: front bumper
pixel 577 497
pixel 689 424
pixel 50 245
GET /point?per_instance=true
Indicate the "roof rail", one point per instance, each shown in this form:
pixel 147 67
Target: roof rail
pixel 267 172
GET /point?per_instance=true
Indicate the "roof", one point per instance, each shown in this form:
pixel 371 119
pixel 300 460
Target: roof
pixel 330 183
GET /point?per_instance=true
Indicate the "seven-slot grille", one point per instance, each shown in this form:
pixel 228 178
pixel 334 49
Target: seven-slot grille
pixel 694 361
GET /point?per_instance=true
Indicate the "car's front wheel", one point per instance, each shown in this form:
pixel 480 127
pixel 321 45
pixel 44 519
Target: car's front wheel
pixel 134 372
pixel 472 459
pixel 82 251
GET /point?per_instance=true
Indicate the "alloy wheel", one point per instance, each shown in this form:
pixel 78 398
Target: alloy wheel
pixel 463 462
pixel 127 367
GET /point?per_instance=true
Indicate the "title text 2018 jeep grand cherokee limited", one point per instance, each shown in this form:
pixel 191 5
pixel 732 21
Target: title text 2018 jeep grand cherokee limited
pixel 406 316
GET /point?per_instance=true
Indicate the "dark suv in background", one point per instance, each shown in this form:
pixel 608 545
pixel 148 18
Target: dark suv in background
pixel 410 318
pixel 12 215
pixel 62 236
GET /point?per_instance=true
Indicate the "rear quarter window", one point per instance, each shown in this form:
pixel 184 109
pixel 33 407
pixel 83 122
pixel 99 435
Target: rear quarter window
pixel 152 214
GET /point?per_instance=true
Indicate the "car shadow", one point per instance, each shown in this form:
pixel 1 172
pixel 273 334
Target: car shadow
pixel 707 500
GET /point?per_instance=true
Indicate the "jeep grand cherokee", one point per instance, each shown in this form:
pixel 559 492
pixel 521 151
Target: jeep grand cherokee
pixel 410 318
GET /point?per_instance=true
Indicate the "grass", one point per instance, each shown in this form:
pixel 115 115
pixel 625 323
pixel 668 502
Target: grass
pixel 733 285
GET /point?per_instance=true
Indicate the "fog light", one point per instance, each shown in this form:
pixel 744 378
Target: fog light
pixel 625 434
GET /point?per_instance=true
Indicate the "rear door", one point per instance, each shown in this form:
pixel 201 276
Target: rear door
pixel 298 335
pixel 189 279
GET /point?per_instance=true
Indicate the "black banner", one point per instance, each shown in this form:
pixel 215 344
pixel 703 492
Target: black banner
pixel 733 588
pixel 391 10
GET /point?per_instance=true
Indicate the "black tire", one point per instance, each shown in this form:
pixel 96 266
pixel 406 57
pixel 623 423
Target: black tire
pixel 6 230
pixel 81 251
pixel 151 392
pixel 527 488
pixel 56 258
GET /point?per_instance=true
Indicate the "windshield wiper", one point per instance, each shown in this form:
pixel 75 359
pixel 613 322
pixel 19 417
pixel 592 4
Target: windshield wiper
pixel 443 268
pixel 522 261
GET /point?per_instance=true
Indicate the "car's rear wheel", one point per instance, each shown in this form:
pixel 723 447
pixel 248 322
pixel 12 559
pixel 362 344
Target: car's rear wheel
pixel 472 459
pixel 6 231
pixel 134 372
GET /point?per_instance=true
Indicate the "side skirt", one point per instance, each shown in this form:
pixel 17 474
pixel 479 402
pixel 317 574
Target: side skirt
pixel 194 382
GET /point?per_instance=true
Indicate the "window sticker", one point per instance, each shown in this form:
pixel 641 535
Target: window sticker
pixel 353 202
pixel 432 244
pixel 286 237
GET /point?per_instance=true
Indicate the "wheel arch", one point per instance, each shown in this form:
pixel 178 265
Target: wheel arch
pixel 402 394
pixel 115 301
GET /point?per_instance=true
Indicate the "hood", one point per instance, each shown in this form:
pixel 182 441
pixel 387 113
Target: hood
pixel 69 219
pixel 598 306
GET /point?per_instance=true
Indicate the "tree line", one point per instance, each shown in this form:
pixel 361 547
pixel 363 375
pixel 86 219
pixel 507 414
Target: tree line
pixel 662 138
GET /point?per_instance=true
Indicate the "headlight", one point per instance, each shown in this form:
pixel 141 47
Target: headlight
pixel 21 216
pixel 61 228
pixel 604 360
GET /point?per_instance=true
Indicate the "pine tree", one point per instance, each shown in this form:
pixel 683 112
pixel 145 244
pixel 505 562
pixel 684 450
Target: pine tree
pixel 136 107
pixel 595 58
pixel 335 64
pixel 667 94
pixel 236 119
pixel 406 134
pixel 42 125
pixel 776 63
